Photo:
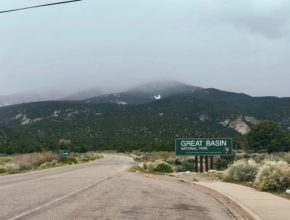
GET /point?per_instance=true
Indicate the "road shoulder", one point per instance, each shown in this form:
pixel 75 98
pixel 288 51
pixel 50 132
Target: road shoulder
pixel 249 202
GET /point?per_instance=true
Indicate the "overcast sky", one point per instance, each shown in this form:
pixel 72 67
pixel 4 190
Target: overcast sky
pixel 240 45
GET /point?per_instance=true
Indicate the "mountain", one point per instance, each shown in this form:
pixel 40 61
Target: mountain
pixel 151 124
pixel 146 93
pixel 29 96
pixel 85 94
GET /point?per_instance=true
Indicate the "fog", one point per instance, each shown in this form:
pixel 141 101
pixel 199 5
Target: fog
pixel 240 45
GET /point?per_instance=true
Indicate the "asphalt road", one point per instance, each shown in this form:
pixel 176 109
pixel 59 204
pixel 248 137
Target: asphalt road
pixel 103 190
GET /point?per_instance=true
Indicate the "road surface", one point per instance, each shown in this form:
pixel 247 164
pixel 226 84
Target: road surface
pixel 103 189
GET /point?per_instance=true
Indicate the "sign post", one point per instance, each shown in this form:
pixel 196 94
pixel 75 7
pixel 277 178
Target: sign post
pixel 204 147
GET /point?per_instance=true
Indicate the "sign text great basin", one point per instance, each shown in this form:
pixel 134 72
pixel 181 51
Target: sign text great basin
pixel 204 146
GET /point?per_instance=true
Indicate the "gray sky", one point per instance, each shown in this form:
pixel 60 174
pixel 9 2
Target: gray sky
pixel 241 45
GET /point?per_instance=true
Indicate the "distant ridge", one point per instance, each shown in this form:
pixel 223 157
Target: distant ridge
pixel 29 96
pixel 85 94
pixel 146 93
pixel 148 117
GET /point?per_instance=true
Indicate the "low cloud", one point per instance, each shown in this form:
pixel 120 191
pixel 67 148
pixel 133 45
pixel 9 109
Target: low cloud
pixel 269 18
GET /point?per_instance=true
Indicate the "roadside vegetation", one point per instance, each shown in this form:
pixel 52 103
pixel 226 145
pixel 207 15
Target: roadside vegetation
pixel 262 155
pixel 42 160
pixel 270 174
pixel 263 171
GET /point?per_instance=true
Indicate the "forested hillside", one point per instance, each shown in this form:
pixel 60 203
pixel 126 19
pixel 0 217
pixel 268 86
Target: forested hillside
pixel 86 125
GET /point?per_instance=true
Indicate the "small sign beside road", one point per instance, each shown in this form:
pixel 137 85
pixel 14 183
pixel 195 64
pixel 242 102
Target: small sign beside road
pixel 204 147
pixel 63 153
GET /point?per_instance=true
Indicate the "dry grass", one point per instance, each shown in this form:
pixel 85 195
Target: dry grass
pixel 158 155
pixel 33 160
pixel 44 160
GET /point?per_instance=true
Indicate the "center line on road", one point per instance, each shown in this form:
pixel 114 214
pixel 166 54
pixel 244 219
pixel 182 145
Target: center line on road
pixel 38 208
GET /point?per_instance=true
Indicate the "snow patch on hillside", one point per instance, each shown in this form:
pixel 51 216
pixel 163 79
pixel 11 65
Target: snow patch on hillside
pixel 37 119
pixel 157 97
pixel 56 113
pixel 203 117
pixel 120 102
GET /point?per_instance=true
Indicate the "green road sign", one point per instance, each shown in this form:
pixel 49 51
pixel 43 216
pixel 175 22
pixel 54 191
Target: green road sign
pixel 63 152
pixel 204 147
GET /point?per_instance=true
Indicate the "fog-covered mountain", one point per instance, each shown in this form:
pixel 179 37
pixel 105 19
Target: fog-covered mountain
pixel 29 96
pixel 85 94
pixel 146 93
pixel 152 118
pixel 140 94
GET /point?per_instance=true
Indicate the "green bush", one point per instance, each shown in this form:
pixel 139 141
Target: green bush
pixel 241 170
pixel 258 157
pixel 273 176
pixel 268 136
pixel 158 166
pixel 3 170
pixel 163 168
pixel 180 168
pixel 70 161
pixel 11 170
pixel 89 158
pixel 188 165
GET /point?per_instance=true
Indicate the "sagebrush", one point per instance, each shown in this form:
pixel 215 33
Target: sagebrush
pixel 241 170
pixel 273 176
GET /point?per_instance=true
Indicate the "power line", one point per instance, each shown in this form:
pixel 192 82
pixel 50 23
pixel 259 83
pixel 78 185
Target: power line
pixel 38 6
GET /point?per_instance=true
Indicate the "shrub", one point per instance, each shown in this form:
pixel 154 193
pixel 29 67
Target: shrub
pixel 47 165
pixel 34 160
pixel 273 176
pixel 274 157
pixel 3 170
pixel 188 165
pixel 162 155
pixel 158 166
pixel 258 157
pixel 171 160
pixel 287 157
pixel 241 170
pixel 70 161
pixel 268 136
pixel 89 157
pixel 136 168
pixel 4 160
pixel 180 168
pixel 163 167
pixel 12 170
pixel 149 166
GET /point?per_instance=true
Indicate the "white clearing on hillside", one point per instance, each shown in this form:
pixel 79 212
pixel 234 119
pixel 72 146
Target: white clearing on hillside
pixel 157 97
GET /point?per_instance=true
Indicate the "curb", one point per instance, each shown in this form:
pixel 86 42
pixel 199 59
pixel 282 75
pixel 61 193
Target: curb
pixel 244 211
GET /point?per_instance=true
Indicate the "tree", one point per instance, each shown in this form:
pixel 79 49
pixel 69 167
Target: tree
pixel 268 136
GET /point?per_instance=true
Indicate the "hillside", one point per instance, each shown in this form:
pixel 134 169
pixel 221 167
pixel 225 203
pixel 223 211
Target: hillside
pixel 151 125
pixel 146 93
pixel 29 96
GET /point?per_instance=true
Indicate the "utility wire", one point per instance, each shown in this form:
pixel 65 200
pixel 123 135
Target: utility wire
pixel 38 6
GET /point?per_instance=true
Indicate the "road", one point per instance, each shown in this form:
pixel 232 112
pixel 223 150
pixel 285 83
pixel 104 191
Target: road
pixel 103 189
